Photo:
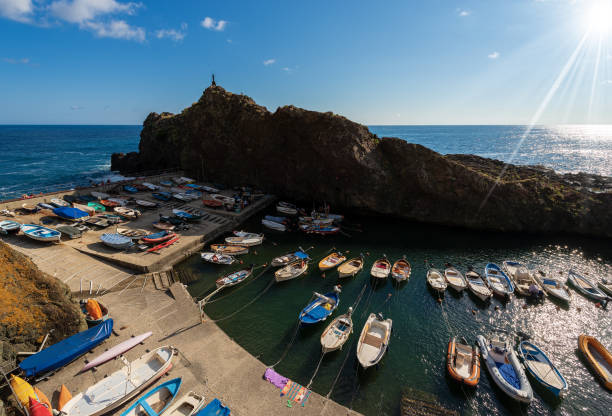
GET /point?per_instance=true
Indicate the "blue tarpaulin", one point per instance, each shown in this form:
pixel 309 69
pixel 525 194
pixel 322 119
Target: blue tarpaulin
pixel 62 353
pixel 70 213
pixel 214 408
pixel 508 373
pixel 301 255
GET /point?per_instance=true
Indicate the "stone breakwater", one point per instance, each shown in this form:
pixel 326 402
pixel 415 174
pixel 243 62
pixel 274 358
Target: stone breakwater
pixel 311 156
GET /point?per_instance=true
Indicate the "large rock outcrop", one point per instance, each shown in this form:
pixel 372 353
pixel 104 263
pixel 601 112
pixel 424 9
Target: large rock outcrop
pixel 311 156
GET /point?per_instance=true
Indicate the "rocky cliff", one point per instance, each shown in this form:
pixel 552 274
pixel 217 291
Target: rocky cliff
pixel 311 156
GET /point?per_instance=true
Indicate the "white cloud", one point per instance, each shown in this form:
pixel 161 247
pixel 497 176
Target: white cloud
pixel 464 13
pixel 493 55
pixel 116 29
pixel 80 11
pixel 269 62
pixel 175 35
pixel 19 10
pixel 212 24
pixel 13 61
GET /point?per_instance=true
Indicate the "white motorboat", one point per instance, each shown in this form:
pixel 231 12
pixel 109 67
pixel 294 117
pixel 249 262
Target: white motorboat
pixel 374 340
pixel 337 332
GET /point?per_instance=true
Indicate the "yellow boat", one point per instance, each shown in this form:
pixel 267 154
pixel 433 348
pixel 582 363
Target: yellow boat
pixel 23 390
pixel 331 261
pixel 351 267
pixel 598 357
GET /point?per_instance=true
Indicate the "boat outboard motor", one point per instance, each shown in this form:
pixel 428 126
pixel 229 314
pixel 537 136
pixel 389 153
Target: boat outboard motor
pixel 379 316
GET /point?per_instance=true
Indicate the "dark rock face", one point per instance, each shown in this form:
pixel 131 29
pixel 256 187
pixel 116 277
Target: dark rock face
pixel 310 156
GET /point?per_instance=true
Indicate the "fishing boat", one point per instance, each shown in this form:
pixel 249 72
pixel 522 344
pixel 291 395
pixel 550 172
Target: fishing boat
pixel 210 189
pixel 217 258
pixel 116 351
pixel 244 241
pixel 99 195
pixel 127 212
pixel 542 369
pixel 29 208
pixel 163 226
pixel 164 244
pixel 505 368
pixel 130 189
pixel 8 226
pixel 225 200
pixel 158 237
pixel 43 205
pixel 95 312
pixel 524 283
pixel 498 281
pixel 162 196
pixel 155 401
pixel 121 386
pixel 319 229
pixel 276 226
pixel 374 340
pixel 59 202
pixel 134 234
pixel 212 203
pixel 381 268
pixel 230 250
pixel 187 405
pixel 337 332
pixel 477 285
pixel 240 233
pixel 291 271
pixel 553 286
pixel 98 221
pixel 285 259
pixel 436 280
pixel 286 208
pixel 65 351
pixel 232 279
pixel 321 307
pixel 70 214
pixel 316 221
pixel 109 204
pixel 116 241
pixel 401 270
pixel 585 287
pixel 598 357
pixel 454 278
pixel 40 233
pixel 605 284
pixel 463 362
pixel 182 180
pixel 145 204
pixel 332 260
pixel 150 186
pixel 187 216
pixel 351 267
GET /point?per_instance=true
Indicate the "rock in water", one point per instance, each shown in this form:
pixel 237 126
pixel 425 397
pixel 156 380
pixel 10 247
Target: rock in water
pixel 307 155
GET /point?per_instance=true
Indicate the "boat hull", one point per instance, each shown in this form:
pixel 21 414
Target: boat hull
pixel 588 345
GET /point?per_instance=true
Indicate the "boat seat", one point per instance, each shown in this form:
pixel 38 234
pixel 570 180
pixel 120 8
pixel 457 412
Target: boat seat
pixel 373 341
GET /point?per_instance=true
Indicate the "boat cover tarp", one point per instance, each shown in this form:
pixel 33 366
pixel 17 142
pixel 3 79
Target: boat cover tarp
pixel 508 373
pixel 70 213
pixel 301 255
pixel 214 408
pixel 62 353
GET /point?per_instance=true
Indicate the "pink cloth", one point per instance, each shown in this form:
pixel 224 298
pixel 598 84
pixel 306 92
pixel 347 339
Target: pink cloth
pixel 275 378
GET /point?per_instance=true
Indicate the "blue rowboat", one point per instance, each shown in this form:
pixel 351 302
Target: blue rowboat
pixel 40 233
pixel 66 351
pixel 162 196
pixel 498 281
pixel 155 401
pixel 71 214
pixel 116 241
pixel 214 408
pixel 186 215
pixel 321 307
pixel 585 287
pixel 542 369
pixel 7 226
pixel 130 189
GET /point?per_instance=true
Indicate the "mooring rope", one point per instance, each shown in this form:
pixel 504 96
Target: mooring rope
pixel 240 286
pixel 289 345
pixel 243 307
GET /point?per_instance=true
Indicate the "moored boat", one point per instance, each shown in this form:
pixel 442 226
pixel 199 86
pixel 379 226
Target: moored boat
pixel 211 203
pixel 463 362
pixel 553 286
pixel 401 270
pixel 150 186
pixel 127 212
pixel 605 285
pixel 29 208
pixel 155 401
pixel 130 189
pixel 121 386
pixel 374 340
pixel 319 229
pixel 40 233
pixel 286 208
pixel 244 241
pixel 455 279
pixel 477 285
pixel 381 268
pixel 332 260
pixel 109 203
pixel 598 357
pixel 320 308
pixel 291 271
pixel 585 287
pixel 234 278
pixel 498 281
pixel 162 196
pixel 288 258
pixel 436 280
pixel 542 369
pixel 524 282
pixel 351 268
pixel 337 332
pixel 99 195
pixel 231 250
pixel 116 351
pixel 505 368
pixel 276 226
pixel 217 258
pixel 9 226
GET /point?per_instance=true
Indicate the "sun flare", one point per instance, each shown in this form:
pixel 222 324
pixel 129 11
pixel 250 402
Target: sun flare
pixel 599 17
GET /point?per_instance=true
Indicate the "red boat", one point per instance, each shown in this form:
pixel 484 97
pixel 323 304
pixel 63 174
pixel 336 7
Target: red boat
pixel 163 245
pixel 158 237
pixel 212 203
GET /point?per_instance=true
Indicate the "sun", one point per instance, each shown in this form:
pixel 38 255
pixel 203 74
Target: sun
pixel 599 17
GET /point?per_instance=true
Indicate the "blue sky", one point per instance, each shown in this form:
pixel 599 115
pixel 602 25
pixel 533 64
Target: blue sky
pixel 388 62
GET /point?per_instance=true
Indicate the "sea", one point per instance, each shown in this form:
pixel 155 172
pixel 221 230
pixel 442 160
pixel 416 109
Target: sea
pixel 262 316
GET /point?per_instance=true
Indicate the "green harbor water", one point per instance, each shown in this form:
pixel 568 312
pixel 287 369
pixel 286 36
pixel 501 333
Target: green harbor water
pixel 416 359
